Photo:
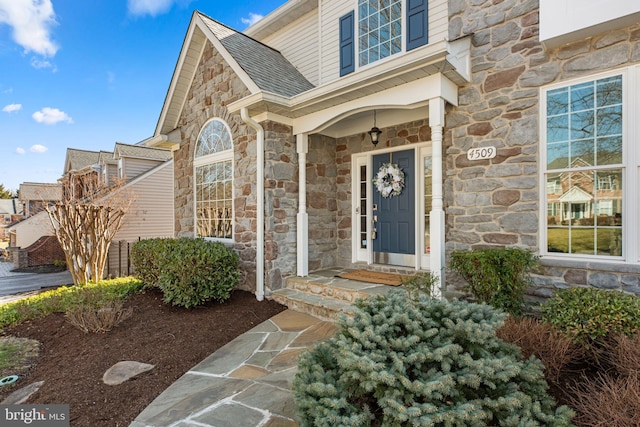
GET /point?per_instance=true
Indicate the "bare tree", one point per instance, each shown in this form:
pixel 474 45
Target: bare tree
pixel 86 226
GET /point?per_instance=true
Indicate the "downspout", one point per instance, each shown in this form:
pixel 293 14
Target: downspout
pixel 244 113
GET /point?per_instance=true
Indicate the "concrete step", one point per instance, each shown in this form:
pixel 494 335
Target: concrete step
pixel 321 307
pixel 324 295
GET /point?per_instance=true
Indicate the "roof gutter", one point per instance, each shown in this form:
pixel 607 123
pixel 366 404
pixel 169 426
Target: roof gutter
pixel 244 113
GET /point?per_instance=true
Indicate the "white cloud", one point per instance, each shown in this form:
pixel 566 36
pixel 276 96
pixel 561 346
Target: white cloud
pixel 51 116
pixel 20 150
pixel 252 19
pixel 149 7
pixel 31 21
pixel 42 63
pixel 12 107
pixel 38 148
pixel 9 90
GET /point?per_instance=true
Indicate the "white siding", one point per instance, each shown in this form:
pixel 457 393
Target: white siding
pixel 151 215
pixel 31 229
pixel 132 168
pixel 332 10
pixel 564 21
pixel 298 42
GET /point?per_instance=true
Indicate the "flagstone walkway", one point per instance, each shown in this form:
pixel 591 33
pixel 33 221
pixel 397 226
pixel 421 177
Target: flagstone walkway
pixel 246 383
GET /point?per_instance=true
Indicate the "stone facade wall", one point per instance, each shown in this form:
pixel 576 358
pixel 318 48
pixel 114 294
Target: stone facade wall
pixel 281 203
pixel 396 136
pixel 322 204
pixel 495 202
pixel 215 85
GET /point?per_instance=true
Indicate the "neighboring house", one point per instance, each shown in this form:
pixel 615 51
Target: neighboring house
pixel 485 106
pixel 34 195
pixel 10 212
pixel 145 174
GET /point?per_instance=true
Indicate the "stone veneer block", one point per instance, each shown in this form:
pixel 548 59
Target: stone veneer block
pixel 189 395
pixel 262 358
pixel 231 415
pixel 290 321
pixel 280 422
pixel 230 356
pixel 314 334
pixel 282 379
pixel 249 372
pixel 278 341
pixel 285 360
pixel 272 399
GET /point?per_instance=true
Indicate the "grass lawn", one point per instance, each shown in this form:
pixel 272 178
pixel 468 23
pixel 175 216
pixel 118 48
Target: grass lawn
pixel 583 240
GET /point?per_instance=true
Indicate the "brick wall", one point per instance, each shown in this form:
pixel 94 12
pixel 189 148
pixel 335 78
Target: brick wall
pixel 45 251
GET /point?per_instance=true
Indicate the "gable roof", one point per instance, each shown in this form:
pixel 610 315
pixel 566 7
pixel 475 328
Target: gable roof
pixel 106 158
pixel 261 68
pixel 266 66
pixel 40 191
pixel 79 159
pixel 141 152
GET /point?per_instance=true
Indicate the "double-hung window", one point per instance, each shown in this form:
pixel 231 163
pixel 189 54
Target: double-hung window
pixel 213 170
pixel 590 167
pixel 377 28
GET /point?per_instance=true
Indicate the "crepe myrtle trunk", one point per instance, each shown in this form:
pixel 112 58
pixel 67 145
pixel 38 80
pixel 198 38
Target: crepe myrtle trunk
pixel 85 231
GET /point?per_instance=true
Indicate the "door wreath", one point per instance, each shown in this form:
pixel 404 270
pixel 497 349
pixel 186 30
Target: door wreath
pixel 389 180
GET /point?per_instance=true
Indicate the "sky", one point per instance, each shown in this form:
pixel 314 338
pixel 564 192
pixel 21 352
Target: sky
pixel 87 74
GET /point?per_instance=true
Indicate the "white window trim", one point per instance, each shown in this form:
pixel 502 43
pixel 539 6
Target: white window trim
pixel 226 155
pixel 403 39
pixel 630 168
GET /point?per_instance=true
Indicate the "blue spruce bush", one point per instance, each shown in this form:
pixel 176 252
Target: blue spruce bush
pixel 406 362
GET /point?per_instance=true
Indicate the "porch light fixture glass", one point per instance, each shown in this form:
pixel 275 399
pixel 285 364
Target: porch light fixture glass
pixel 374 133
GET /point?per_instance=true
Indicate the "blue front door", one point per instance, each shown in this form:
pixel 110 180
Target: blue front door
pixel 394 217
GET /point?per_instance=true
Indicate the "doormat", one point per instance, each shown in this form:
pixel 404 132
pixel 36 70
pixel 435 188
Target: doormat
pixel 374 277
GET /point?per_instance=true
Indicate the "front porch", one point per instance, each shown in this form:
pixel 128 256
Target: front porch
pixel 325 295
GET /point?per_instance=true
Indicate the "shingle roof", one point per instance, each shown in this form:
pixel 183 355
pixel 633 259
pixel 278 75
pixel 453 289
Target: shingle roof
pixel 40 191
pixel 106 157
pixel 80 159
pixel 141 152
pixel 266 66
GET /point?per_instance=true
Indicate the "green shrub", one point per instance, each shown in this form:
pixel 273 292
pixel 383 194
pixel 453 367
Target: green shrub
pixel 496 276
pixel 590 314
pixel 196 271
pixel 146 257
pixel 64 298
pixel 421 284
pixel 401 362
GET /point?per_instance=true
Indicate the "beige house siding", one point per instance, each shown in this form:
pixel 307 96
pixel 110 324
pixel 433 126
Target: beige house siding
pixel 332 10
pixel 31 229
pixel 151 215
pixel 132 168
pixel 301 49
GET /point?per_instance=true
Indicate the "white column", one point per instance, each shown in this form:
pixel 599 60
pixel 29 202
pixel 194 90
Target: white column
pixel 302 147
pixel 437 264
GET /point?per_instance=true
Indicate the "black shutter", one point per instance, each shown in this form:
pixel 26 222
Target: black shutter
pixel 417 23
pixel 347 44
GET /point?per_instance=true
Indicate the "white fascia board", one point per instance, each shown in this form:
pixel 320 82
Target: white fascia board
pixel 177 72
pixel 410 95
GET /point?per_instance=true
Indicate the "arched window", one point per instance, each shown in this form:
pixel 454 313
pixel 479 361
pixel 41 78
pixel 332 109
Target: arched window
pixel 213 169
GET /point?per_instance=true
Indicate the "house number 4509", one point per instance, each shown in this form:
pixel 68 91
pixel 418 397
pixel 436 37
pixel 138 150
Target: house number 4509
pixel 481 153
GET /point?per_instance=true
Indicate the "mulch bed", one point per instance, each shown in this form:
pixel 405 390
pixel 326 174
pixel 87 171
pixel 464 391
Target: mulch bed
pixel 72 362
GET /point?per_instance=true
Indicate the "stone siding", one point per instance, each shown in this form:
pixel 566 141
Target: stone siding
pixel 495 202
pixel 215 85
pixel 281 203
pixel 322 203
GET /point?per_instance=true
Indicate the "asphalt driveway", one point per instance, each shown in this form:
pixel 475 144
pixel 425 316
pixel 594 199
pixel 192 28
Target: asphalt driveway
pixel 16 285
